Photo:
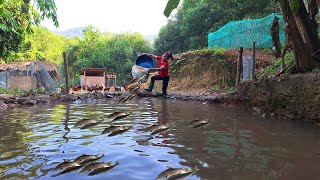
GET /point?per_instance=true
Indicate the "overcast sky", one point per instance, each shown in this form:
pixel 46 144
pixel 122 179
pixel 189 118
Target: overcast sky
pixel 143 16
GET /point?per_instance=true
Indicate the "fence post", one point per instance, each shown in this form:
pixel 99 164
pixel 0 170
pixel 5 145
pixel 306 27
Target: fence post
pixel 253 60
pixel 66 71
pixel 239 66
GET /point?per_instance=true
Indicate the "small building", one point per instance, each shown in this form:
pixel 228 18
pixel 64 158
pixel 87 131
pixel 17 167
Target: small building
pixel 28 75
pixel 93 76
pixel 111 79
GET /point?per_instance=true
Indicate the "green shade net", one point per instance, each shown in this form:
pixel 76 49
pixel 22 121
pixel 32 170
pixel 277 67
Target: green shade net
pixel 243 33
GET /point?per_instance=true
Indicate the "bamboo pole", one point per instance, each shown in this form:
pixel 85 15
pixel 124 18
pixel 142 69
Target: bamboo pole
pixel 66 72
pixel 239 66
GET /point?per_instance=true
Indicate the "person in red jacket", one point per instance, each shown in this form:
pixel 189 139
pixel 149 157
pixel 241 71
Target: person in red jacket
pixel 163 71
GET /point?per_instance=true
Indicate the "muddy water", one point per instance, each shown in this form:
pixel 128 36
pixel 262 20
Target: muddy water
pixel 237 144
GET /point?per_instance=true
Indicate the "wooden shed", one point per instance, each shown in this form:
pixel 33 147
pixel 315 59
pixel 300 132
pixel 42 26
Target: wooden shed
pixel 93 76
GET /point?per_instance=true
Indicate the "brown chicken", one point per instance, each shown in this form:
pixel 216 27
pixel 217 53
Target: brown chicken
pixel 76 88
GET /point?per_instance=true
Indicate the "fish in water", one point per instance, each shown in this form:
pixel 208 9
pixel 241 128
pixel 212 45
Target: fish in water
pixel 184 175
pixel 155 128
pixel 119 131
pixel 87 158
pixel 67 166
pixel 121 115
pixel 89 124
pixel 170 172
pixel 83 122
pixel 102 168
pixel 94 165
pixel 110 129
pixel 192 123
pixel 201 123
pixel 160 128
pixel 65 163
pixel 111 116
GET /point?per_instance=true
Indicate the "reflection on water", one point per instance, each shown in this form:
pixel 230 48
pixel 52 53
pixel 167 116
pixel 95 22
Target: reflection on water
pixel 237 144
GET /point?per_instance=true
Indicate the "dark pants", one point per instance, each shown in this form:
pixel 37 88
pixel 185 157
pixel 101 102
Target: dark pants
pixel 165 82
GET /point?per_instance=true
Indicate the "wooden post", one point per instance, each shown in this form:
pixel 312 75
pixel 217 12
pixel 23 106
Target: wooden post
pixel 239 67
pixel 66 71
pixel 253 60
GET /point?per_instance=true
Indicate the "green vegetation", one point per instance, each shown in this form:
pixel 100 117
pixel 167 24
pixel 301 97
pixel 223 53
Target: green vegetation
pixel 189 29
pixel 276 66
pixel 17 18
pixel 116 52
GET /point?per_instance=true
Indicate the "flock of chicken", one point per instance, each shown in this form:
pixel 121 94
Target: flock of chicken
pixel 95 88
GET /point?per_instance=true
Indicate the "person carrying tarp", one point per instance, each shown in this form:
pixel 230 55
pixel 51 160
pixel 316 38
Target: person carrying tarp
pixel 163 71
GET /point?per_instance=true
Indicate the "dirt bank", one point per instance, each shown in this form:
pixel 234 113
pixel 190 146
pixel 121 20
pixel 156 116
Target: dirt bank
pixel 289 96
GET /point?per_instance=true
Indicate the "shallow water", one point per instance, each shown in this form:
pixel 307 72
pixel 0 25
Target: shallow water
pixel 236 144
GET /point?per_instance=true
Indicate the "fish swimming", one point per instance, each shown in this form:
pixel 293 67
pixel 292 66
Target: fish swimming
pixel 89 124
pixel 119 131
pixel 83 122
pixel 111 116
pixel 184 175
pixel 160 128
pixel 94 165
pixel 200 123
pixel 67 166
pixel 155 128
pixel 87 158
pixel 64 164
pixel 192 123
pixel 121 115
pixel 110 129
pixel 151 128
pixel 102 168
pixel 170 172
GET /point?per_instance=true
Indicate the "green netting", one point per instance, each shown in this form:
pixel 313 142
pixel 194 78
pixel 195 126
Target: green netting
pixel 243 33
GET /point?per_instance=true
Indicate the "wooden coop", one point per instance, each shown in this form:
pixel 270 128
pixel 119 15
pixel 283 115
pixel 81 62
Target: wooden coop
pixel 93 76
pixel 111 79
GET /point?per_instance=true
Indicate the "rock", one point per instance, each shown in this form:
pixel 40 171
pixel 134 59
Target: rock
pixel 31 102
pixel 3 106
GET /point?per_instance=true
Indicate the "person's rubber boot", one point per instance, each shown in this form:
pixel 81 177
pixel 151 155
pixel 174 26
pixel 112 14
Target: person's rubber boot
pixel 150 87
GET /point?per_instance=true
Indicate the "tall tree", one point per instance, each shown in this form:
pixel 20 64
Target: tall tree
pixel 16 19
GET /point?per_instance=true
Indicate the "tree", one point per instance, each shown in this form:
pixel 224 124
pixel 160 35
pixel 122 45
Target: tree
pixel 300 29
pixel 115 52
pixel 195 19
pixel 16 19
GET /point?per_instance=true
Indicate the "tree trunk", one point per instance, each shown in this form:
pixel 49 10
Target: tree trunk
pixel 302 55
pixel 306 29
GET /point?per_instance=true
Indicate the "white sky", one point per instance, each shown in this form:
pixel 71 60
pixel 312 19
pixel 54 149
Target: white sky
pixel 143 16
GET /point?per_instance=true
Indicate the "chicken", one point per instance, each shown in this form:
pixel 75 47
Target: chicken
pixel 76 88
pixel 131 86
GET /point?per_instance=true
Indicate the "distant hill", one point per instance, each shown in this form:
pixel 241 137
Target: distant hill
pixel 151 37
pixel 77 32
pixel 74 32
